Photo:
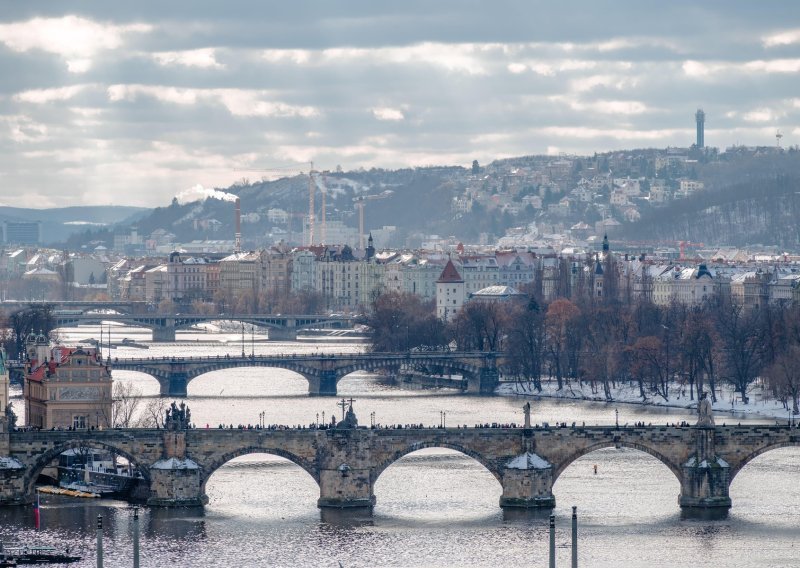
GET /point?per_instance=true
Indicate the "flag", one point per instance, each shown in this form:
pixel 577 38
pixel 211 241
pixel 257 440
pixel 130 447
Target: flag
pixel 36 511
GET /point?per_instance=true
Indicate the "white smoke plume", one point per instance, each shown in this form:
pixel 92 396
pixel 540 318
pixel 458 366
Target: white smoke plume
pixel 200 193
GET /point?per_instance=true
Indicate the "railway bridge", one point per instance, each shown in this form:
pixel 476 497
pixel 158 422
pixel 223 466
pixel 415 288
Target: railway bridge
pixel 347 460
pixel 323 372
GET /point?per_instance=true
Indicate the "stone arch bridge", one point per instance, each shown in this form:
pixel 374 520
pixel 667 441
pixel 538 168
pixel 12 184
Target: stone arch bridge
pixel 164 326
pixel 479 369
pixel 347 462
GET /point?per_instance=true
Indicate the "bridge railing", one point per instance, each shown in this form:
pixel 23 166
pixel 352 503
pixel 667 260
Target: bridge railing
pixel 407 356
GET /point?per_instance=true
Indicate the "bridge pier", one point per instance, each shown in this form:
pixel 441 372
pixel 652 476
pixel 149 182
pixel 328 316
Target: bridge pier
pixel 164 334
pixel 484 382
pixel 345 488
pixel 175 385
pixel 282 334
pixel 528 483
pixel 323 384
pixel 175 480
pixel 345 476
pixel 13 490
pixel 706 477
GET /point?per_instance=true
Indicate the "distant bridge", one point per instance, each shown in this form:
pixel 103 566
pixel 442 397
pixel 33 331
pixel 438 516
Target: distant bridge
pixel 122 306
pixel 164 326
pixel 479 369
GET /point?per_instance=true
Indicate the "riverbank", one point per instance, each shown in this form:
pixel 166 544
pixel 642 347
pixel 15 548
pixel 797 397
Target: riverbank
pixel 728 401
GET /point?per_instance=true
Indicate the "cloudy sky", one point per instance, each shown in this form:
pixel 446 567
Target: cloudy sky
pixel 132 102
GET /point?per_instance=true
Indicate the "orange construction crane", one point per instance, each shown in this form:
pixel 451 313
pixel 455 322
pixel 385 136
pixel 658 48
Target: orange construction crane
pixel 684 244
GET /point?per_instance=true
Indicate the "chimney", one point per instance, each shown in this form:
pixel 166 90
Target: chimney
pixel 238 235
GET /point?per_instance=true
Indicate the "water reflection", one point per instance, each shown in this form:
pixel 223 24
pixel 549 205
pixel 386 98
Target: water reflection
pixel 349 518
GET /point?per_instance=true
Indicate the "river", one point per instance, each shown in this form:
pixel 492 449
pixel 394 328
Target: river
pixel 434 507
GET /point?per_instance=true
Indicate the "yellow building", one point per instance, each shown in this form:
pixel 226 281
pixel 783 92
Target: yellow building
pixel 66 387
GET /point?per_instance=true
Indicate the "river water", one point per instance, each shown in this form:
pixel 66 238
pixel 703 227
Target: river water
pixel 434 507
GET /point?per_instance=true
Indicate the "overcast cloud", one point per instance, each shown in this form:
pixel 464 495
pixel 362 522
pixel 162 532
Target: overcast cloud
pixel 131 103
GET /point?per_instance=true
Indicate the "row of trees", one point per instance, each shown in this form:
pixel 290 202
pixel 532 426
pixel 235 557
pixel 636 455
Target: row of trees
pixel 659 349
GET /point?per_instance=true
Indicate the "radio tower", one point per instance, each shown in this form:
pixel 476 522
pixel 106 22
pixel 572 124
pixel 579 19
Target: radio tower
pixel 700 118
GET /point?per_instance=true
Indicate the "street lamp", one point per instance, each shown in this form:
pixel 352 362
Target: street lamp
pixel 372 419
pixel 616 417
pixel 243 340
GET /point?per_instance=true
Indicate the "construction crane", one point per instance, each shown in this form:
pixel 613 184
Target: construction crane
pixel 311 191
pixel 684 244
pixel 359 203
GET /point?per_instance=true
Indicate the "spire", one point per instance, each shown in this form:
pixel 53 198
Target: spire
pixel 605 243
pixel 370 252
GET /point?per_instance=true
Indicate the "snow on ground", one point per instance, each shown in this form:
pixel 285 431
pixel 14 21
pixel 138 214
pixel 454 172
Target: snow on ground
pixel 761 403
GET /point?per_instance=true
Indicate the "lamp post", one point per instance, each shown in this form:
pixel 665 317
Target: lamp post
pixel 243 355
pixel 616 417
pixel 372 419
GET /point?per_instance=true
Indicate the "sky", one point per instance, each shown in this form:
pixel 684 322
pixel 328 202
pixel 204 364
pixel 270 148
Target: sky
pixel 131 103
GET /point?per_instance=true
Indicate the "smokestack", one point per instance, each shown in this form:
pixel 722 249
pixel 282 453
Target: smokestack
pixel 238 234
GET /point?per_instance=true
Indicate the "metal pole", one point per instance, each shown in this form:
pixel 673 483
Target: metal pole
pixel 99 541
pixel 574 537
pixel 136 537
pixel 552 541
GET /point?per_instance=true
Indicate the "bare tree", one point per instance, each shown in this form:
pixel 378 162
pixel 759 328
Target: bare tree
pixel 526 342
pixel 784 376
pixel 743 343
pixel 126 400
pixel 154 413
pixel 561 315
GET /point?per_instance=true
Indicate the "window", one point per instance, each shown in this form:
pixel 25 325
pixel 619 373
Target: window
pixel 79 422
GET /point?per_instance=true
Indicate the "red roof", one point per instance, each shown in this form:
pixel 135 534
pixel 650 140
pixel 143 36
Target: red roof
pixel 450 274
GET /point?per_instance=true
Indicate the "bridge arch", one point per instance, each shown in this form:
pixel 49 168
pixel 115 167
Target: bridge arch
pixel 32 474
pixel 211 467
pixel 395 456
pixel 738 466
pixel 673 467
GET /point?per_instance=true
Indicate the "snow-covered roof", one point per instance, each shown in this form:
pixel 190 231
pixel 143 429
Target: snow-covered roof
pixel 498 291
pixel 528 460
pixel 10 463
pixel 175 463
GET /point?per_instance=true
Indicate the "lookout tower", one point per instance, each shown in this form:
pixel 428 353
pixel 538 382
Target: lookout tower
pixel 700 118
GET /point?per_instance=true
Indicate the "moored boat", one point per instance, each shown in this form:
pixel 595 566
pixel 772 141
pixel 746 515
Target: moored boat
pixel 24 554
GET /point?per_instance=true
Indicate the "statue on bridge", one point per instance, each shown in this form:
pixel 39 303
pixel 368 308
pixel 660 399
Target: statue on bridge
pixel 11 417
pixel 527 410
pixel 178 418
pixel 349 420
pixel 705 412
